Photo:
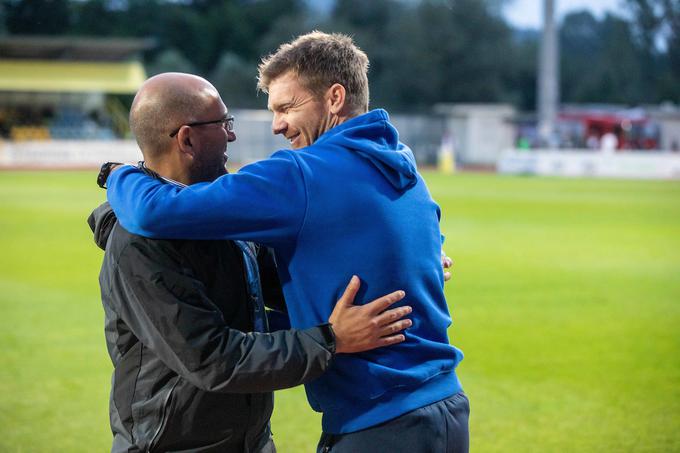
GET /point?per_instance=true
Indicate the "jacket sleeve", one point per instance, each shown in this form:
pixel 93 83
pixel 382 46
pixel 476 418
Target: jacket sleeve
pixel 101 222
pixel 168 310
pixel 264 202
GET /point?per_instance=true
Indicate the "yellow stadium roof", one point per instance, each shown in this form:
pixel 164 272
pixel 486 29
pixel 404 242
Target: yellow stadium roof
pixel 71 76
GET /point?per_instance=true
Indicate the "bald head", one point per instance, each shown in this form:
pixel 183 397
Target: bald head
pixel 165 102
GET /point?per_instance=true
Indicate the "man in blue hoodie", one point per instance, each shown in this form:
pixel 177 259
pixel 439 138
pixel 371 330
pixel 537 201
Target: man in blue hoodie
pixel 346 199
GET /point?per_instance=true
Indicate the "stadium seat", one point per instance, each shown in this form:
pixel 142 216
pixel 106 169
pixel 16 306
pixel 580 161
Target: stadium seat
pixel 26 133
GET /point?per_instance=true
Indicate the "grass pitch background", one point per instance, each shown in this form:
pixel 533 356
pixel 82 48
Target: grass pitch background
pixel 565 296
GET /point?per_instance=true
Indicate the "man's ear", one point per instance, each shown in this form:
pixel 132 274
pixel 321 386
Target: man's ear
pixel 336 96
pixel 185 141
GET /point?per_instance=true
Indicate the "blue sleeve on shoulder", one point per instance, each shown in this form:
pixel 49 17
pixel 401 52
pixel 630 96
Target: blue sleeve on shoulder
pixel 263 202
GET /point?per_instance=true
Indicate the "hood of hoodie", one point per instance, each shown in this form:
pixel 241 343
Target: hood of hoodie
pixel 101 222
pixel 374 138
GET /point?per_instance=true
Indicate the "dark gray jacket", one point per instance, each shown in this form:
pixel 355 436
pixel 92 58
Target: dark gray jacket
pixel 186 375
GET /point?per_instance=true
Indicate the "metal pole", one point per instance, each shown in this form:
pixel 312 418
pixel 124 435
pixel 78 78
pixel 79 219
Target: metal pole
pixel 548 76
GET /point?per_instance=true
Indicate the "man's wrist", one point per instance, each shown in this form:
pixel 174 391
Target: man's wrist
pixel 328 335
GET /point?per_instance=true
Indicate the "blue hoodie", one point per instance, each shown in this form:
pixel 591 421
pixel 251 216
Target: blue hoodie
pixel 351 203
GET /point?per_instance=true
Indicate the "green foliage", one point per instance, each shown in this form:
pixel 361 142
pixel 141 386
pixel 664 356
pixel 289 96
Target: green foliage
pixel 600 62
pixel 45 17
pixel 236 81
pixel 170 60
pixel 283 30
pixel 3 27
pixel 429 52
pixel 564 300
pixel 521 76
pixel 657 27
pixel 422 52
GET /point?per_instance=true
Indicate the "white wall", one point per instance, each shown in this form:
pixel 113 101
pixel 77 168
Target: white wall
pixel 586 163
pixel 67 153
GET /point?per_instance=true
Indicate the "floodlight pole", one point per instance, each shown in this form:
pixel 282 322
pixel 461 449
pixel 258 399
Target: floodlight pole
pixel 548 76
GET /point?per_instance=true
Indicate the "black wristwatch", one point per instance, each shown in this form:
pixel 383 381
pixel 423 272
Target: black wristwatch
pixel 328 335
pixel 104 173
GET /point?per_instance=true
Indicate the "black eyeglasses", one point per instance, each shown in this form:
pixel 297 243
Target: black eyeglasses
pixel 227 124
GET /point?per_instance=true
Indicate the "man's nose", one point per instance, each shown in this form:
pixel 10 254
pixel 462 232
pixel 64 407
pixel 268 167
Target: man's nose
pixel 279 125
pixel 231 136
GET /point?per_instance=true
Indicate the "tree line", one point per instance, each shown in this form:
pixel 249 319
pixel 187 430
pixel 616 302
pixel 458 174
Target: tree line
pixel 421 52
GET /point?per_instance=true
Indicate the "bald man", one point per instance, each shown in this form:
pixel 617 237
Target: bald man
pixel 186 375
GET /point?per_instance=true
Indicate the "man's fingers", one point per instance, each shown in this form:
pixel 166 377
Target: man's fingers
pixel 396 327
pixel 392 315
pixel 350 291
pixel 390 340
pixel 447 276
pixel 382 303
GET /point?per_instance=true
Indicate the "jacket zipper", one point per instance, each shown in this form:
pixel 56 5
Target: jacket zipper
pixel 163 416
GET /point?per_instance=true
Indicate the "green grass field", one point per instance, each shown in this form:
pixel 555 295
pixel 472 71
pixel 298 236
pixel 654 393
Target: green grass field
pixel 566 301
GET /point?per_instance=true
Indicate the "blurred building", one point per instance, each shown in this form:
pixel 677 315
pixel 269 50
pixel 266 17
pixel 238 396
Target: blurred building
pixel 606 141
pixel 668 119
pixel 58 98
pixel 478 132
pixel 59 88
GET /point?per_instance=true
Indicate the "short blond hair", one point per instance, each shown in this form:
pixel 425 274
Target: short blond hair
pixel 320 60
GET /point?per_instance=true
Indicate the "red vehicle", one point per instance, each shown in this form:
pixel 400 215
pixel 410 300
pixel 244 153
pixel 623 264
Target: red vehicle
pixel 586 128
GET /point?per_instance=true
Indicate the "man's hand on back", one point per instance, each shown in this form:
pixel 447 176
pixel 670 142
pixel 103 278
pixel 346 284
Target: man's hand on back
pixel 447 263
pixel 360 328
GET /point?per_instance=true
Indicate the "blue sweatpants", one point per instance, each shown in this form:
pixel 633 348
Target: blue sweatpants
pixel 441 427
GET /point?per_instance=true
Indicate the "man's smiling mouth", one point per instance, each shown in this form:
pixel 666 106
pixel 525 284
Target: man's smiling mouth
pixel 292 138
